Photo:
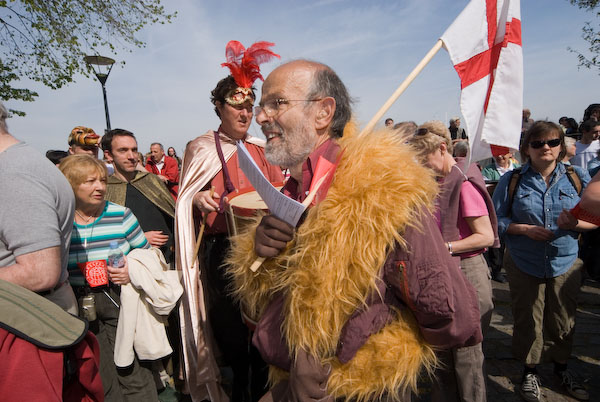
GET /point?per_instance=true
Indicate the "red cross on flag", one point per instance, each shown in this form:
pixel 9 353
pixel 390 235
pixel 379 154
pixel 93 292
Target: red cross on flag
pixel 484 44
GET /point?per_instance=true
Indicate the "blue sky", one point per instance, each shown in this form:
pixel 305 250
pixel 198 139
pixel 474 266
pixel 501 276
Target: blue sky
pixel 162 92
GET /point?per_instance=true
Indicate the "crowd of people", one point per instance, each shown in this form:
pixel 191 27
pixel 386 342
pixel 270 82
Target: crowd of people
pixel 383 283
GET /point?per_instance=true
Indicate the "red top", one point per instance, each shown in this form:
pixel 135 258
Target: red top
pixel 33 373
pixel 216 223
pixel 328 150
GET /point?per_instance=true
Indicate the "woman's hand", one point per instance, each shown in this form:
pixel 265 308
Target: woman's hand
pixel 539 233
pixel 567 221
pixel 119 276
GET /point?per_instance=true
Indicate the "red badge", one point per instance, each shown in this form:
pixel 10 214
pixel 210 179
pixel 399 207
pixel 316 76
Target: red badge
pixel 95 272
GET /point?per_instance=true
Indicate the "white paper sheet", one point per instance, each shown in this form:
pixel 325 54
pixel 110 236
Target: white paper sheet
pixel 281 206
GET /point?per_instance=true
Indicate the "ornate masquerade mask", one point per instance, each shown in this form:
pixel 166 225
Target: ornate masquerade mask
pixel 244 65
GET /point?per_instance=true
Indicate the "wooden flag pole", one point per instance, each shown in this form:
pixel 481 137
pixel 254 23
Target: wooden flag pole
pixel 417 70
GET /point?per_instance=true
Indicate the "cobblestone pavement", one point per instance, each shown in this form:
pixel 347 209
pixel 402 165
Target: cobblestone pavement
pixel 504 372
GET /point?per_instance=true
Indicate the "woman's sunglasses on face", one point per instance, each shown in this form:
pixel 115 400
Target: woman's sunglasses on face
pixel 551 143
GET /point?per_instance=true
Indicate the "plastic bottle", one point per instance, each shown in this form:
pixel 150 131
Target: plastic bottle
pixel 116 258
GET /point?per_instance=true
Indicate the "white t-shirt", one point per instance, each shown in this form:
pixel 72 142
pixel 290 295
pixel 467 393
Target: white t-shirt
pixel 585 153
pixel 502 170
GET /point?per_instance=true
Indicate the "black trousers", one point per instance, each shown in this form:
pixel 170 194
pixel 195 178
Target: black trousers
pixel 131 384
pixel 232 336
pixel 494 258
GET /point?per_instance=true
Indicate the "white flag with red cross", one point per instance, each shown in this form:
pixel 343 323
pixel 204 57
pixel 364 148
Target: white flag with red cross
pixel 484 44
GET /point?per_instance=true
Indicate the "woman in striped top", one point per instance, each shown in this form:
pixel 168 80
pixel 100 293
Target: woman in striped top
pixel 97 224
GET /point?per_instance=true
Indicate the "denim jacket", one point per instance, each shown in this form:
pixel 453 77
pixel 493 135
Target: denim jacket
pixel 535 203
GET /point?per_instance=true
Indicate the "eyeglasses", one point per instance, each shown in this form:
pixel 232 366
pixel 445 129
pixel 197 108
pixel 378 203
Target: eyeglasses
pixel 424 131
pixel 271 107
pixel 551 143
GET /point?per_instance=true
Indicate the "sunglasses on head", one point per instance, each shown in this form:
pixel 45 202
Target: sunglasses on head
pixel 551 143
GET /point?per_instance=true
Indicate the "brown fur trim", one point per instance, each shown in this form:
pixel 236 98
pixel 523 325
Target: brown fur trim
pixel 334 262
pixel 342 245
pixel 389 364
pixel 253 289
pixel 277 375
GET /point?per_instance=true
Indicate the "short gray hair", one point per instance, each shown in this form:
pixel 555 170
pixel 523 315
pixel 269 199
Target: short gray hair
pixel 327 83
pixel 461 149
pixel 157 143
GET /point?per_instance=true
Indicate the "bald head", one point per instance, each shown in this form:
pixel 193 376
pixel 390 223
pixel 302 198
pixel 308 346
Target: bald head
pixel 318 81
pixel 295 77
pixel 303 103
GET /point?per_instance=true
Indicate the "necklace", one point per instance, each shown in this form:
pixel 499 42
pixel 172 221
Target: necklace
pixel 83 217
pixel 86 222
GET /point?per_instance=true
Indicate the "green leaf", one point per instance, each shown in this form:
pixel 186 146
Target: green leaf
pixel 46 40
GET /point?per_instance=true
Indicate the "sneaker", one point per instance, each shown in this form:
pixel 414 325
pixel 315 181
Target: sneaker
pixel 499 277
pixel 575 389
pixel 530 388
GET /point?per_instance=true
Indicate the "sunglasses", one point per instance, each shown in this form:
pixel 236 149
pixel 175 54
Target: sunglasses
pixel 551 143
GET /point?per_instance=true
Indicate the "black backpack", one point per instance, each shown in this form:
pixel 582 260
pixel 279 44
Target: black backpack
pixel 515 178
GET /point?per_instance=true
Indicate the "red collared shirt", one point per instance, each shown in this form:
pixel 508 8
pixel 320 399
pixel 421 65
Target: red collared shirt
pixel 328 150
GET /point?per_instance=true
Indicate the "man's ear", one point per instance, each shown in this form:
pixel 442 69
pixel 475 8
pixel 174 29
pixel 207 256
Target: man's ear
pixel 325 113
pixel 108 156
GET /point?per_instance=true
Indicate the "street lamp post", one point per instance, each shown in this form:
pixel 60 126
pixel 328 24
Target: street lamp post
pixel 101 66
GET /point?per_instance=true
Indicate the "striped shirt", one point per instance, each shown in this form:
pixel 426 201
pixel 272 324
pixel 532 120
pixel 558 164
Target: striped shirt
pixel 92 242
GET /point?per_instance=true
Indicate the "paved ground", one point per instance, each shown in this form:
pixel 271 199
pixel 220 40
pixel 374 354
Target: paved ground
pixel 504 373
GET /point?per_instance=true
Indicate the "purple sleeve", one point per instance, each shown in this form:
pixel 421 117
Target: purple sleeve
pixel 429 281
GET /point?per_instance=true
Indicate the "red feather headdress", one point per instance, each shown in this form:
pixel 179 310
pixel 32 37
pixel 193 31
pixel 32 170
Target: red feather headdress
pixel 244 65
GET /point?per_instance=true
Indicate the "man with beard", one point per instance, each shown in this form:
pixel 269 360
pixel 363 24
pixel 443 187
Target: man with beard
pixel 354 306
pixel 210 171
pixel 457 133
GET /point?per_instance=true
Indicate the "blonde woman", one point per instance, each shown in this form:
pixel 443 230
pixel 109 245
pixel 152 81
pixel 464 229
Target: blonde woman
pixel 97 224
pixel 466 218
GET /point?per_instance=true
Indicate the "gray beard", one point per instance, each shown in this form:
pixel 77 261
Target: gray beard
pixel 282 154
pixel 292 148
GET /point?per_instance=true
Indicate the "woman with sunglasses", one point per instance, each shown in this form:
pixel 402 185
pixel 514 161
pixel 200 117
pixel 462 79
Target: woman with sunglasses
pixel 544 274
pixel 466 218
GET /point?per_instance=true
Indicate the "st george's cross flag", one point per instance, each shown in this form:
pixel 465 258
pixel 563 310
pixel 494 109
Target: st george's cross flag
pixel 484 44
